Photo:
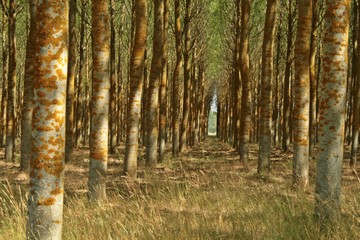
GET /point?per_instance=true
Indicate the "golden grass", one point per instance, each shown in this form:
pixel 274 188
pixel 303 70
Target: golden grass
pixel 206 194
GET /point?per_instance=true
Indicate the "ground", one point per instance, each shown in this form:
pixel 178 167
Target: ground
pixel 205 194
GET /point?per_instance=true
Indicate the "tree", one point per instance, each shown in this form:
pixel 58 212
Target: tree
pixel 286 97
pixel 175 93
pixel 71 81
pixel 46 194
pixel 245 121
pixel 155 76
pixel 100 100
pixel 11 97
pixel 266 86
pixel 332 111
pixel 356 96
pixel 187 69
pixel 313 79
pixel 136 86
pixel 163 83
pixel 112 120
pixel 27 107
pixel 302 95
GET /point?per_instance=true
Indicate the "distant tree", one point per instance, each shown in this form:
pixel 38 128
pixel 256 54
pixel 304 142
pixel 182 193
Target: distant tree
pixel 175 92
pixel 11 96
pixel 187 69
pixel 70 97
pixel 27 107
pixel 163 83
pixel 113 113
pixel 245 121
pixel 155 77
pixel 45 204
pixel 100 100
pixel 332 111
pixel 266 88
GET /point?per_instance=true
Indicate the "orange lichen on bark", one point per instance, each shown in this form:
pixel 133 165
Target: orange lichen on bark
pixel 47 202
pixel 56 191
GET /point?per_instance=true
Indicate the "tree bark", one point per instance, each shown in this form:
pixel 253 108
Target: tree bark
pixel 187 69
pixel 245 121
pixel 11 96
pixel 302 95
pixel 136 85
pixel 163 84
pixel 313 80
pixel 332 112
pixel 286 105
pixel 112 112
pixel 45 205
pixel 266 86
pixel 175 93
pixel 356 95
pixel 27 107
pixel 155 77
pixel 71 81
pixel 99 126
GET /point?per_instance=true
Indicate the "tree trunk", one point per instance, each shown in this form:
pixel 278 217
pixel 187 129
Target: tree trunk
pixel 302 95
pixel 11 97
pixel 175 93
pixel 187 69
pixel 313 80
pixel 5 67
pixel 27 107
pixel 71 82
pixel 356 95
pixel 79 99
pixel 99 126
pixel 332 112
pixel 136 85
pixel 286 105
pixel 245 121
pixel 266 92
pixel 45 205
pixel 163 84
pixel 155 76
pixel 112 122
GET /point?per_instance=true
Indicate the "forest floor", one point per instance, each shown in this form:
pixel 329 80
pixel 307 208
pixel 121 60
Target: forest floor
pixel 205 194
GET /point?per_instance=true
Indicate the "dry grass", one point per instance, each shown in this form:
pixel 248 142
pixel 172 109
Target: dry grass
pixel 206 194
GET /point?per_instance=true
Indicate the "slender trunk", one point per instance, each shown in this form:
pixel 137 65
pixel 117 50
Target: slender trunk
pixel 163 84
pixel 245 121
pixel 4 77
pixel 302 95
pixel 155 77
pixel 136 85
pixel 11 97
pixel 27 108
pixel 46 193
pixel 71 82
pixel 187 68
pixel 313 81
pixel 266 86
pixel 175 93
pixel 112 112
pixel 356 95
pixel 286 105
pixel 99 126
pixel 79 99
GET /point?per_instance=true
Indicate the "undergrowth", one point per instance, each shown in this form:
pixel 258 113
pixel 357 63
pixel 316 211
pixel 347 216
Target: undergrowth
pixel 217 199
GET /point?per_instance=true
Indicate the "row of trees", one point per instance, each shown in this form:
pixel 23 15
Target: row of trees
pixel 134 100
pixel 296 90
